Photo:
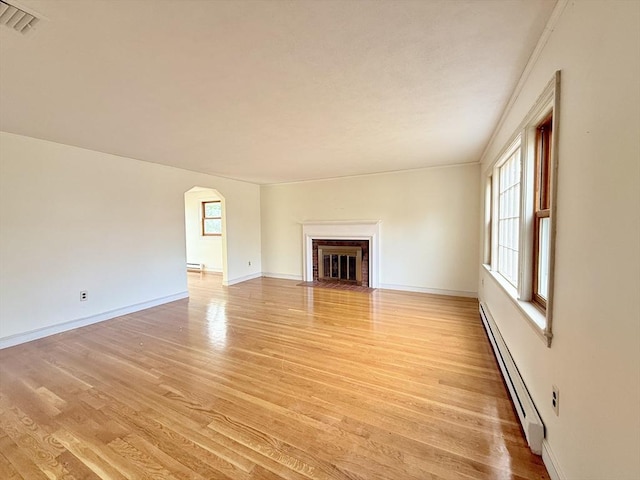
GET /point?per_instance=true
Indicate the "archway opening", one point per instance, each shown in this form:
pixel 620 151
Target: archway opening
pixel 205 231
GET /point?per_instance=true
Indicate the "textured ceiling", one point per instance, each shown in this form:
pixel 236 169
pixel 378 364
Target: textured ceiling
pixel 269 91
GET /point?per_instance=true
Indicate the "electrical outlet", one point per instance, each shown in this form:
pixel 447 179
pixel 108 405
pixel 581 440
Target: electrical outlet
pixel 249 262
pixel 84 296
pixel 555 399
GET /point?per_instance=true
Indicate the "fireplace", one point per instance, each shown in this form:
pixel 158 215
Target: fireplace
pixel 342 264
pixel 343 239
pixel 341 261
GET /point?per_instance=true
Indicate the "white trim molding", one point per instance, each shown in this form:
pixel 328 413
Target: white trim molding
pixel 433 291
pixel 533 59
pixel 283 276
pixel 530 420
pixel 551 462
pixel 213 270
pixel 19 338
pixel 342 230
pixel 251 276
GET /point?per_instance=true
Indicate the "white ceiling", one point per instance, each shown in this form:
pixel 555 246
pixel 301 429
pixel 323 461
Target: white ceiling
pixel 269 91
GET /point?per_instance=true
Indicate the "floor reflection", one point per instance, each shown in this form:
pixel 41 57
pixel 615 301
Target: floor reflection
pixel 217 325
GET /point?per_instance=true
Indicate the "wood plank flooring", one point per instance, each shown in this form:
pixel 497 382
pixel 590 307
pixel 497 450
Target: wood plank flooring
pixel 265 380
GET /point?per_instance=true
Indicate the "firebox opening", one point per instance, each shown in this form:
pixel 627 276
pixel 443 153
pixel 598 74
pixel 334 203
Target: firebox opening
pixel 342 264
pixel 344 261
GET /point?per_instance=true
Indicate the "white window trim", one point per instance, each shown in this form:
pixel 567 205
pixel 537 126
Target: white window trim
pixel 525 138
pixel 534 316
pixel 488 219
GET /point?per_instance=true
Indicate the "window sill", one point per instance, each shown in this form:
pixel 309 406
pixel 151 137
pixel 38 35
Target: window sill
pixel 535 318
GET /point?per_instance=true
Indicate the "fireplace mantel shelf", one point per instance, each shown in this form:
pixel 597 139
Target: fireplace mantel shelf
pixel 341 222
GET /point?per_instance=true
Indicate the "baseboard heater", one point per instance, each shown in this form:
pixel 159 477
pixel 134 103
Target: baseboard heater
pixel 529 418
pixel 195 267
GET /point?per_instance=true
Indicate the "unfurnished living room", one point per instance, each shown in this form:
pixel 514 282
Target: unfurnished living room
pixel 320 239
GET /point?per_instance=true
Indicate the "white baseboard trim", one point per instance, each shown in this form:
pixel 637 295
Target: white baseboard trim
pixel 435 291
pixel 551 462
pixel 525 408
pixel 251 276
pixel 19 338
pixel 213 270
pixel 283 276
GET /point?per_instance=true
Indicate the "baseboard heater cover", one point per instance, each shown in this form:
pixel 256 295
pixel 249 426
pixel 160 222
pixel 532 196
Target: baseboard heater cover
pixel 527 413
pixel 196 267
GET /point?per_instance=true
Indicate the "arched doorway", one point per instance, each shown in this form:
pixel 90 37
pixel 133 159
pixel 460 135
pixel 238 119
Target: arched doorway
pixel 205 230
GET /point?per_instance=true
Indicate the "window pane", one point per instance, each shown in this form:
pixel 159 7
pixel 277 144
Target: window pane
pixel 212 209
pixel 509 218
pixel 213 226
pixel 543 258
pixel 488 214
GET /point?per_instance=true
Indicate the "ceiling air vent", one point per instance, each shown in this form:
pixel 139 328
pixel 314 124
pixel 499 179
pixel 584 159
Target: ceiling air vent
pixel 16 18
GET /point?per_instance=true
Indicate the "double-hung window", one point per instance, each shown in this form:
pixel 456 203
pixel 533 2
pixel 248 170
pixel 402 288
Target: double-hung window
pixel 212 218
pixel 520 212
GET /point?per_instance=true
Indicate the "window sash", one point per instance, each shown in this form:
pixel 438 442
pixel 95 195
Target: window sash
pixel 541 259
pixel 211 223
pixel 542 214
pixel 509 217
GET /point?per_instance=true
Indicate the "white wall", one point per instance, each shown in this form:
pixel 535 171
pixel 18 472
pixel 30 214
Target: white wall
pixel 595 355
pixel 428 234
pixel 73 219
pixel 204 249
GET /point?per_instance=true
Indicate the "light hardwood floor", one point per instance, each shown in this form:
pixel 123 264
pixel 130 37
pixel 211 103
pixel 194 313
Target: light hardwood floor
pixel 265 380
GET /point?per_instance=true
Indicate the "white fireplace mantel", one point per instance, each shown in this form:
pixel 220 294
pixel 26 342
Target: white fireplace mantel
pixel 343 230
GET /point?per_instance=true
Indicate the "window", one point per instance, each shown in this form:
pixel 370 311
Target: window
pixel 509 217
pixel 542 213
pixel 488 199
pixel 520 212
pixel 212 218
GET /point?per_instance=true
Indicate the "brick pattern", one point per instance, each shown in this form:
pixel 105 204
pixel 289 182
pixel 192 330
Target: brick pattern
pixel 364 244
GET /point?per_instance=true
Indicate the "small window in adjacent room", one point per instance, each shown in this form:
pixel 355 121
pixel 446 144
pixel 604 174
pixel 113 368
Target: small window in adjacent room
pixel 212 218
pixel 541 213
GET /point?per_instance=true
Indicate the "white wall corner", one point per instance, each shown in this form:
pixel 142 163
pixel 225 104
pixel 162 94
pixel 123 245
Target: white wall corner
pixel 531 62
pixel 245 278
pixel 212 270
